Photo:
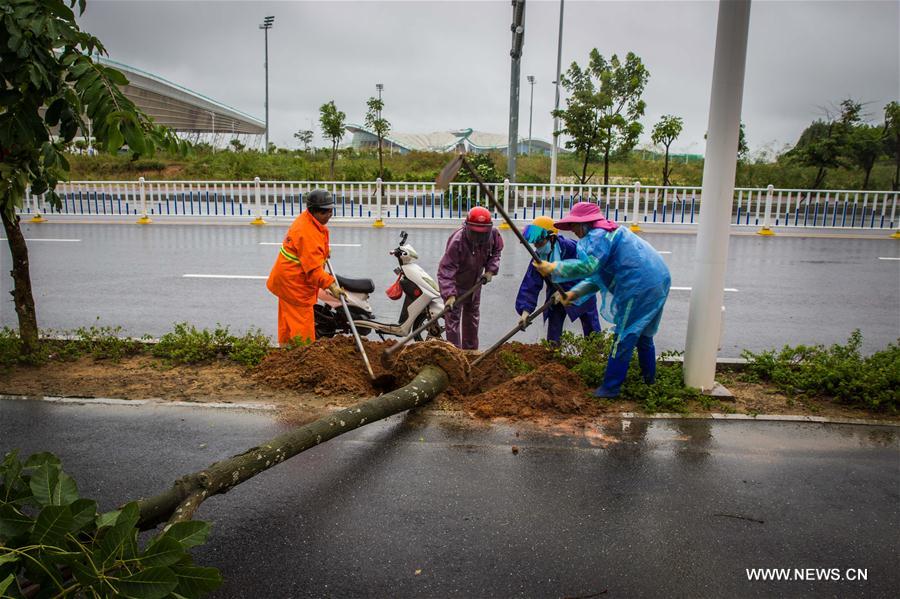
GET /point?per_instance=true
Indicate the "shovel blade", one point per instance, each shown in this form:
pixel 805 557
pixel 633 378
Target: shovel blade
pixel 448 173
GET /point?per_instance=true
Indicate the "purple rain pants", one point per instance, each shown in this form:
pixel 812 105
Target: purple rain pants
pixel 463 318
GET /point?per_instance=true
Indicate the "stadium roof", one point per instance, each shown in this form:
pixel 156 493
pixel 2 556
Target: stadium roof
pixel 180 108
pixel 444 141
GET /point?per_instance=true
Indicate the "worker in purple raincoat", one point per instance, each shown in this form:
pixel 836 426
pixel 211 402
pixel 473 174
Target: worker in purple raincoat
pixel 551 247
pixel 472 252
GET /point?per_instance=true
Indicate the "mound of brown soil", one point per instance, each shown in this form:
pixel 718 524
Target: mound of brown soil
pixel 495 369
pixel 330 367
pixel 550 390
pixel 437 353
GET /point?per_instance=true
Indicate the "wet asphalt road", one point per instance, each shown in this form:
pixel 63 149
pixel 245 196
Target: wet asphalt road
pixel 789 289
pixel 429 506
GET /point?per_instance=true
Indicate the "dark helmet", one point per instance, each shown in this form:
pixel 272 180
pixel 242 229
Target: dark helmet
pixel 319 199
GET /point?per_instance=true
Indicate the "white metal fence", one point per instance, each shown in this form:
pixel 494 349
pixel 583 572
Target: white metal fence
pixel 386 201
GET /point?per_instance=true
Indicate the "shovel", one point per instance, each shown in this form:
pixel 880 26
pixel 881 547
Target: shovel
pixel 519 327
pixel 383 382
pixel 446 176
pixel 387 355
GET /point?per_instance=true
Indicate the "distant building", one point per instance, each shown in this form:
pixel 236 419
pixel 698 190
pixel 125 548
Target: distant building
pixel 443 141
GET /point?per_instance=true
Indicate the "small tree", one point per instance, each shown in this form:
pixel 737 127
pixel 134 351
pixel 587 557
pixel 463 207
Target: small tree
pixel 824 143
pixel 333 127
pixel 304 136
pixel 892 139
pixel 603 108
pixel 50 81
pixel 236 145
pixel 865 145
pixel 375 122
pixel 665 132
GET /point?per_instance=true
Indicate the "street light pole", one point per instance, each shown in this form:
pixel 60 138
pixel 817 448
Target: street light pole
pixel 266 25
pixel 555 151
pixel 530 111
pixel 717 197
pixel 518 39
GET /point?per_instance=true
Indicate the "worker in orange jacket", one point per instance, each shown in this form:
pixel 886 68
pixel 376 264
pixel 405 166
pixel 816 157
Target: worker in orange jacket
pixel 299 270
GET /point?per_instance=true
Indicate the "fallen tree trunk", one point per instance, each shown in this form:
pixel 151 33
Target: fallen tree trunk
pixel 179 503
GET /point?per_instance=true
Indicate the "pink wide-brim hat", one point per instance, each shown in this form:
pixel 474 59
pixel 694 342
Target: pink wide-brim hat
pixel 585 212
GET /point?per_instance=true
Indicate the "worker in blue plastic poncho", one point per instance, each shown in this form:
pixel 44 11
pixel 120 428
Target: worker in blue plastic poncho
pixel 617 263
pixel 549 246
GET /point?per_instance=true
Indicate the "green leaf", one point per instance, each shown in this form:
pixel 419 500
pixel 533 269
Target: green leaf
pixel 4 584
pixel 164 552
pixel 117 543
pixel 51 525
pixel 129 514
pixel 194 581
pixel 13 522
pixel 115 141
pixel 53 111
pixel 115 76
pixel 152 583
pixel 83 513
pixel 189 534
pixel 66 491
pixel 39 459
pixel 43 482
pixel 107 519
pixel 6 558
pixel 134 138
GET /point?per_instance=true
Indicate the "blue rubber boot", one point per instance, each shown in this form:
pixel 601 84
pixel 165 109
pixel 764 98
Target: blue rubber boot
pixel 647 359
pixel 616 369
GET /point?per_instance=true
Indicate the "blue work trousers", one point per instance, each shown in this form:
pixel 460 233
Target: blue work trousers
pixel 617 365
pixel 590 323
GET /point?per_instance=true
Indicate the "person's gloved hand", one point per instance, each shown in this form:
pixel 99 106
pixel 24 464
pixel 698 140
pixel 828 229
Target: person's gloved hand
pixel 336 290
pixel 450 301
pixel 568 298
pixel 544 267
pixel 488 275
pixel 523 319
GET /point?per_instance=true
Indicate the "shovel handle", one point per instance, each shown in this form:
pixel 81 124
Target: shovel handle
pixel 518 327
pixel 352 324
pixel 486 190
pixel 396 347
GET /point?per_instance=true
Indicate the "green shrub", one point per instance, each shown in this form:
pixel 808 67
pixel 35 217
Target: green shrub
pixel 514 364
pixel 10 347
pixel 188 345
pixel 105 343
pixel 56 540
pixel 250 349
pixel 587 356
pixel 839 372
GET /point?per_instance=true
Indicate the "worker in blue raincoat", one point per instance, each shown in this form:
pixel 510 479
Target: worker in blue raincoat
pixel 633 281
pixel 549 246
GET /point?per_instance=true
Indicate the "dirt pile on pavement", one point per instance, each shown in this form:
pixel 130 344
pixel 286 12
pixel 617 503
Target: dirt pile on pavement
pixel 549 390
pixel 331 367
pixel 437 353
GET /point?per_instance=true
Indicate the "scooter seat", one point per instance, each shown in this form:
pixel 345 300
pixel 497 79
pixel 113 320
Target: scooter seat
pixel 356 285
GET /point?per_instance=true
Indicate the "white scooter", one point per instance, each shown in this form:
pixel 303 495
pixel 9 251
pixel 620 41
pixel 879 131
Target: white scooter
pixel 420 293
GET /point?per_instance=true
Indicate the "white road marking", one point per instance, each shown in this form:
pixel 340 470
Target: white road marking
pixel 43 239
pixel 887 258
pixel 730 289
pixel 663 252
pixel 194 276
pixel 334 245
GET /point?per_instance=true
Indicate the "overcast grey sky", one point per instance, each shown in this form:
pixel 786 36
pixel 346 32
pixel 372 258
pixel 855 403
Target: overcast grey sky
pixel 445 65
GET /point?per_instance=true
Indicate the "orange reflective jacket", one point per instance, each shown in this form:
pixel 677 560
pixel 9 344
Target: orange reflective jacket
pixel 299 270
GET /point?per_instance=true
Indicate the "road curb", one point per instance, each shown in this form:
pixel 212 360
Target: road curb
pixel 112 401
pixel 271 408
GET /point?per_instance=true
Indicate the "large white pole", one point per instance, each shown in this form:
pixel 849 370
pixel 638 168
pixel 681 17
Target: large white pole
pixel 555 150
pixel 704 317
